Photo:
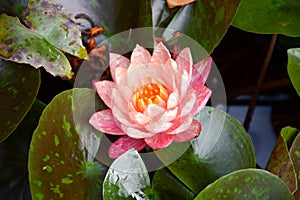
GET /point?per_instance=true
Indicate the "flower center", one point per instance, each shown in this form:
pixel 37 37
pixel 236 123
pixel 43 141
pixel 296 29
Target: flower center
pixel 151 93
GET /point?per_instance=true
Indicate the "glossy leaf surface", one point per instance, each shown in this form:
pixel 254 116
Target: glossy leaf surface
pixel 56 24
pixel 247 184
pixel 63 148
pixel 294 67
pixel 169 187
pixel 269 17
pixel 204 21
pixel 14 183
pixel 222 147
pixel 21 45
pixel 126 178
pixel 19 86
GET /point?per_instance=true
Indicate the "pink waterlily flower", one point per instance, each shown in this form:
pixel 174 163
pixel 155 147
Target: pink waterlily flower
pixel 152 99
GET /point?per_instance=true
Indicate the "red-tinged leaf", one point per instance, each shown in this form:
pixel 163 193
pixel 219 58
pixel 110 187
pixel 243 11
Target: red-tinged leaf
pixel 56 24
pixel 295 155
pixel 21 45
pixel 280 162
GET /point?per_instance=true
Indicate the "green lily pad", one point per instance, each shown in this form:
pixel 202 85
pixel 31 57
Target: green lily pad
pixel 14 183
pixel 62 151
pixel 169 187
pixel 269 17
pixel 19 86
pixel 294 67
pixel 295 155
pixel 247 184
pixel 126 178
pixel 280 162
pixel 222 147
pixel 205 22
pixel 21 45
pixel 56 24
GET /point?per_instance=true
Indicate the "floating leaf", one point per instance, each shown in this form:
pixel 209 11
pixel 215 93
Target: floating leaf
pixel 222 147
pixel 206 22
pixel 247 184
pixel 169 187
pixel 114 15
pixel 126 178
pixel 280 162
pixel 295 155
pixel 14 183
pixel 61 165
pixel 56 24
pixel 294 67
pixel 269 17
pixel 19 44
pixel 19 86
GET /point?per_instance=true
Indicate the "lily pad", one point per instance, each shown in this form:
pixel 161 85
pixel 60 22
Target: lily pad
pixel 247 184
pixel 222 147
pixel 295 155
pixel 114 15
pixel 19 86
pixel 21 45
pixel 280 162
pixel 294 67
pixel 205 22
pixel 126 178
pixel 168 187
pixel 269 17
pixel 56 24
pixel 14 181
pixel 63 148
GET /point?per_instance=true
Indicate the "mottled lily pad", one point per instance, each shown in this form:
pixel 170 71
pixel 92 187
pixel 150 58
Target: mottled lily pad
pixel 294 67
pixel 269 17
pixel 56 24
pixel 14 183
pixel 206 22
pixel 222 147
pixel 21 45
pixel 295 155
pixel 63 148
pixel 126 178
pixel 280 162
pixel 247 184
pixel 19 86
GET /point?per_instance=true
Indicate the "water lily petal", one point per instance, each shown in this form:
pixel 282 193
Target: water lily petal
pixel 159 140
pixel 201 71
pixel 160 54
pixel 192 132
pixel 136 132
pixel 159 126
pixel 188 103
pixel 123 144
pixel 184 62
pixel 105 122
pixel 139 56
pixel 139 118
pixel 180 124
pixel 154 111
pixel 203 95
pixel 118 66
pixel 173 101
pixel 104 89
